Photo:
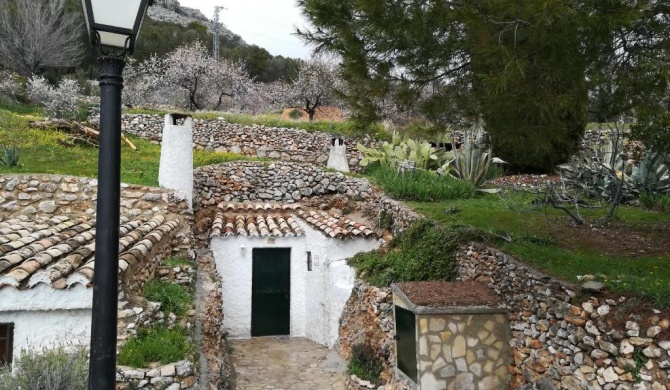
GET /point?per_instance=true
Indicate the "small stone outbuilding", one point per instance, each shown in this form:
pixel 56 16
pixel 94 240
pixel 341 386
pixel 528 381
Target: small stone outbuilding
pixel 283 268
pixel 450 335
pixel 46 275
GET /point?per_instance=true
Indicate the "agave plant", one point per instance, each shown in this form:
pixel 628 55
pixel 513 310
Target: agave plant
pixel 471 162
pixel 10 156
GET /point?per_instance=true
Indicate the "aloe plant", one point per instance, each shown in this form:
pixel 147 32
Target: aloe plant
pixel 10 156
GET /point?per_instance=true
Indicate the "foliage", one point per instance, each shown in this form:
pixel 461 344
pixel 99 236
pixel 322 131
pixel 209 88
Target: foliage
pixel 190 77
pixel 10 85
pixel 604 171
pixel 173 297
pixel 365 363
pixel 177 262
pixel 295 114
pixel 59 101
pixel 420 185
pixel 529 69
pixel 425 251
pixel 471 162
pixel 655 202
pixel 314 87
pixel 390 154
pixel 10 156
pixel 50 369
pixel 35 35
pixel 156 344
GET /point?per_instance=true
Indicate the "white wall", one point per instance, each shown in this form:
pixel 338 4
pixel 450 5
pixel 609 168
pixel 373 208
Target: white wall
pixel 317 297
pixel 44 317
pixel 36 330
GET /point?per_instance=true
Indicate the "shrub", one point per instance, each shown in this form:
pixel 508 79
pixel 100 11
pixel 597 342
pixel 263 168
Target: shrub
pixel 59 101
pixel 295 114
pixel 55 369
pixel 421 185
pixel 425 251
pixel 365 363
pixel 173 297
pixel 655 202
pixel 10 85
pixel 156 344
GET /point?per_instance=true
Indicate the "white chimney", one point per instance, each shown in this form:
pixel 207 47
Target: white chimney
pixel 176 164
pixel 338 155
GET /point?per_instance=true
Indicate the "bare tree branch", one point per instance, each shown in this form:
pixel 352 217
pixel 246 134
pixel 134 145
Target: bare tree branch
pixel 36 34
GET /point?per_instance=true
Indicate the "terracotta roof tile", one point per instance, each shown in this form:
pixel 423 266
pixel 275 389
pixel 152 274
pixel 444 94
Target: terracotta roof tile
pixel 60 251
pixel 278 220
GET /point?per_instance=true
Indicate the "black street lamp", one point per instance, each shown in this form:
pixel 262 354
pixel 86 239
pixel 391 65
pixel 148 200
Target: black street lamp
pixel 113 26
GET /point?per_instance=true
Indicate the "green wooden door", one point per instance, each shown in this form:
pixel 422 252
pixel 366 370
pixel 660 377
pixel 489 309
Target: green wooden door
pixel 405 325
pixel 271 292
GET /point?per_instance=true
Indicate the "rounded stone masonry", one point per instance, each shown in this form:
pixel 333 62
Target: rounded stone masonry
pixel 450 335
pixel 276 143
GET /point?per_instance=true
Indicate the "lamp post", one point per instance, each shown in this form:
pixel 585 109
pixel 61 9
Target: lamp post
pixel 113 26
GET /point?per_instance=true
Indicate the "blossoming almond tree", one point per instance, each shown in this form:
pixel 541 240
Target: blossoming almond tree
pixel 315 86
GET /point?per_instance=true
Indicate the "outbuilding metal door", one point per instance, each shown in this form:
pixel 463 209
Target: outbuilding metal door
pixel 405 325
pixel 271 292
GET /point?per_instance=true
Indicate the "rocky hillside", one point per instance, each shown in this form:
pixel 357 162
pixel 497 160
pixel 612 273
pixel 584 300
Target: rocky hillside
pixel 173 12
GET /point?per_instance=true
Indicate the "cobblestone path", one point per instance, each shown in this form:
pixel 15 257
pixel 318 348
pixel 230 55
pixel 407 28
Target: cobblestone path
pixel 282 363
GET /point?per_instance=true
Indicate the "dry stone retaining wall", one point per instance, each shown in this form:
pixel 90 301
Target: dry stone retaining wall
pixel 259 141
pixel 271 182
pixel 557 342
pixel 561 342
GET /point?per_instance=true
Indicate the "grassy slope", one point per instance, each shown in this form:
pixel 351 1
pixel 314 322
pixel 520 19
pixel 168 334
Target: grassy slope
pixel 41 152
pixel 532 242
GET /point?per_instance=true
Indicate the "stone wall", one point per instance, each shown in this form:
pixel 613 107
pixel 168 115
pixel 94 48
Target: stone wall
pixel 463 350
pixel 173 376
pixel 271 182
pixel 42 194
pixel 557 341
pixel 368 319
pixel 561 341
pixel 259 141
pixel 135 313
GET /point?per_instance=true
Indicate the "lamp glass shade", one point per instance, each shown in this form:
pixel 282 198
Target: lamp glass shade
pixel 114 21
pixel 116 13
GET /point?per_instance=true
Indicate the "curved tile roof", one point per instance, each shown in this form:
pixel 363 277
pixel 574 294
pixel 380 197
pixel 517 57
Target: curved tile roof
pixel 279 220
pixel 60 251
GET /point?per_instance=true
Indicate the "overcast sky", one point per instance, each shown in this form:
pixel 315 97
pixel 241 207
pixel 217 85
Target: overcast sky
pixel 265 23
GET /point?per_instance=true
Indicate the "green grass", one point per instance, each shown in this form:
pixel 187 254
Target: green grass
pixel 365 363
pixel 176 262
pixel 41 151
pixel 420 185
pixel 534 240
pixel 174 298
pixel 156 344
